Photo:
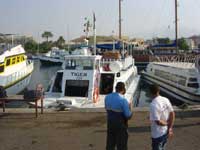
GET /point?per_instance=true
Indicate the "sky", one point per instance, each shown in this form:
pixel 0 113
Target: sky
pixel 140 18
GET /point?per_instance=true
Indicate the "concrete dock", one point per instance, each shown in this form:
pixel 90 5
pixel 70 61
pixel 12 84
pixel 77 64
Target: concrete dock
pixel 85 130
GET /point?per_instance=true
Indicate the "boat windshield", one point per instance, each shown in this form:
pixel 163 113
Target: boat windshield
pixel 84 64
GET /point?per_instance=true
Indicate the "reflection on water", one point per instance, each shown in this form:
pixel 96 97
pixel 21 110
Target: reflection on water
pixel 42 74
pixel 144 99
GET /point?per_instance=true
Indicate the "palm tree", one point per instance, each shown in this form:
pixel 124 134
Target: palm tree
pixel 60 42
pixel 47 35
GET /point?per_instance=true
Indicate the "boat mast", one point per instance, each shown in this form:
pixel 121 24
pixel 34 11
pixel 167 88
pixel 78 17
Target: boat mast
pixel 176 24
pixel 120 21
pixel 94 33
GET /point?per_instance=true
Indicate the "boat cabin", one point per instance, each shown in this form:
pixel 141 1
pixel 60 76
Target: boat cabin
pixel 80 77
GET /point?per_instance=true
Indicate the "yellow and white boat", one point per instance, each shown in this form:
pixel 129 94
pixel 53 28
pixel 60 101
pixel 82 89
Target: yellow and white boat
pixel 15 70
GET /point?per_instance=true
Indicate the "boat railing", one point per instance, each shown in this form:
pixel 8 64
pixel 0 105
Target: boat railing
pixel 125 63
pixel 186 59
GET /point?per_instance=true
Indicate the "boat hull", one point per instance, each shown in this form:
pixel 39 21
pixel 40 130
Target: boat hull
pixel 50 61
pixel 77 102
pixel 18 86
pixel 177 93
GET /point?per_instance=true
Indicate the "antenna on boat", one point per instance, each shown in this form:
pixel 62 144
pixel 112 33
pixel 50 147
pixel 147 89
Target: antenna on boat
pixel 176 24
pixel 120 21
pixel 113 40
pixel 94 33
pixel 87 26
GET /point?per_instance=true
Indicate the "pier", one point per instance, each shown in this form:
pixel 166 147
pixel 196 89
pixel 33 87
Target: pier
pixel 86 129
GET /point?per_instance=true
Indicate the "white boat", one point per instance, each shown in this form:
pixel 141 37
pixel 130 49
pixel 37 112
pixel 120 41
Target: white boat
pixel 179 79
pixel 56 56
pixel 53 57
pixel 84 81
pixel 15 70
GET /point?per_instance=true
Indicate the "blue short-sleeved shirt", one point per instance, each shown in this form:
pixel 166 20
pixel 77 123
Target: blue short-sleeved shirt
pixel 116 103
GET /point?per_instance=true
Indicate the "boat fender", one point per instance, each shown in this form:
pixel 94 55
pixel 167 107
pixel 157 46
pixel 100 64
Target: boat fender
pixel 96 95
pixel 3 92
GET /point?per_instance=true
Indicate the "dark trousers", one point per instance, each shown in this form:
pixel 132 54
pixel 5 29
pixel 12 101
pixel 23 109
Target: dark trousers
pixel 117 136
pixel 159 143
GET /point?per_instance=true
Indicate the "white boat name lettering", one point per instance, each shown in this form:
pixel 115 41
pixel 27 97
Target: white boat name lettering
pixel 78 74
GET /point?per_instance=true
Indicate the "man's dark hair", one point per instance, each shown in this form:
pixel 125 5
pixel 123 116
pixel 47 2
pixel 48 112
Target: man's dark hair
pixel 154 89
pixel 120 87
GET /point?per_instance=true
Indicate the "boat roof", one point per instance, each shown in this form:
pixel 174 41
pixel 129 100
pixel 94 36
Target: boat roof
pixel 93 57
pixel 13 51
pixel 179 65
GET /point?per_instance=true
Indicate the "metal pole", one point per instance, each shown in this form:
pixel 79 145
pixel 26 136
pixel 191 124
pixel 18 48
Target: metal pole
pixel 94 30
pixel 120 34
pixel 12 41
pixel 38 43
pixel 176 24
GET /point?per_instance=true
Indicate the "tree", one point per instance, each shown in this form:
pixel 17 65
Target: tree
pixel 182 44
pixel 60 42
pixel 163 40
pixel 45 46
pixel 47 35
pixel 31 46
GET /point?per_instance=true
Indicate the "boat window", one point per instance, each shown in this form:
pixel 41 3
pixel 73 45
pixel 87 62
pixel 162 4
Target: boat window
pixel 13 60
pixel 193 85
pixel 22 58
pixel 57 87
pixel 1 68
pixel 70 64
pixel 77 88
pixel 81 64
pixel 193 79
pixel 85 64
pixel 8 62
pixel 18 59
pixel 106 83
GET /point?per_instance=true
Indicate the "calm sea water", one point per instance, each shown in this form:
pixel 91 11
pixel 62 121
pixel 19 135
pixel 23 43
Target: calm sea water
pixel 43 75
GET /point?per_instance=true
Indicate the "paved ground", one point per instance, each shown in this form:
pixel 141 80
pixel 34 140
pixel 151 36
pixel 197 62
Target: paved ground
pixel 87 131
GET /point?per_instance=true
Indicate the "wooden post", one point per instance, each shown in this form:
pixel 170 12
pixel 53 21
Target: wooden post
pixel 4 105
pixel 36 108
pixel 42 105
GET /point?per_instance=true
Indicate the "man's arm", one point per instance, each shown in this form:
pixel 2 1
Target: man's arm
pixel 127 109
pixel 161 122
pixel 171 119
pixel 171 123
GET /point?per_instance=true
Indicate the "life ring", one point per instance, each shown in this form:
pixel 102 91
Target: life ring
pixel 96 95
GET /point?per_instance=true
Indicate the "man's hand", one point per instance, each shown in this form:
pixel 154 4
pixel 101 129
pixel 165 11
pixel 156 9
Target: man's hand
pixel 170 133
pixel 131 105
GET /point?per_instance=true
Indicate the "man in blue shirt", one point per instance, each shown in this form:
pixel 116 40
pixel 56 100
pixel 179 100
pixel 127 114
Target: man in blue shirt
pixel 118 113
